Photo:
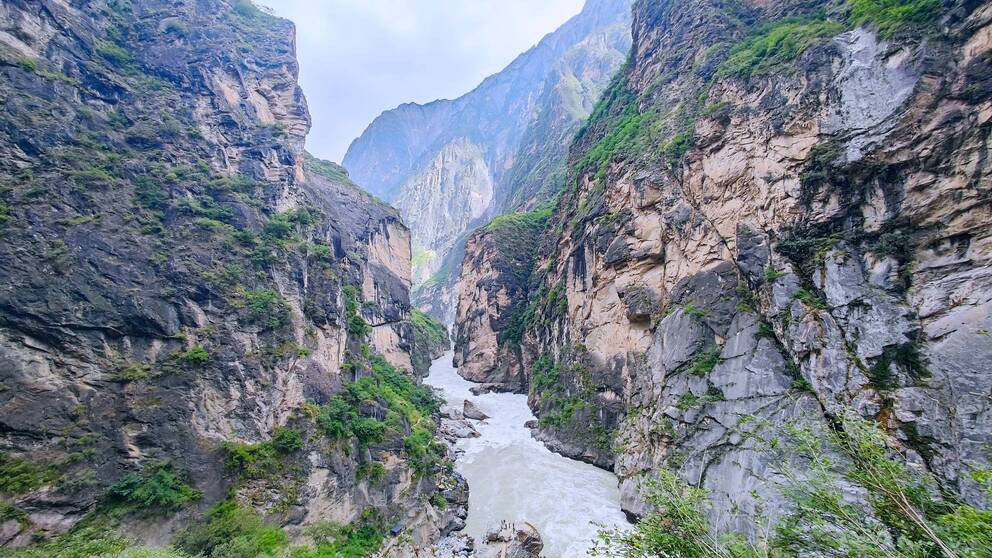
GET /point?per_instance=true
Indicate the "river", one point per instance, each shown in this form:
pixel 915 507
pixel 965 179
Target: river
pixel 514 477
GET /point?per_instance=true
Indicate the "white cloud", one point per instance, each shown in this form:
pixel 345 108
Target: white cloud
pixel 361 57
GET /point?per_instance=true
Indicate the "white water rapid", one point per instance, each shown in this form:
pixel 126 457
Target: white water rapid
pixel 514 477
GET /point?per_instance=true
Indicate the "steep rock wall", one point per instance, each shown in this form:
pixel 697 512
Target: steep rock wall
pixel 766 238
pixel 178 281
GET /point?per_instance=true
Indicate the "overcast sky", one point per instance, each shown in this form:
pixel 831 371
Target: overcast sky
pixel 361 57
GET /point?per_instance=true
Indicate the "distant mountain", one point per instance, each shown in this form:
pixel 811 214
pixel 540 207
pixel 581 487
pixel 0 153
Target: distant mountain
pixel 450 165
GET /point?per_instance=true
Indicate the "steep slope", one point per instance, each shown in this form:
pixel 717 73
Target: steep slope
pixel 191 313
pixel 450 166
pixel 777 213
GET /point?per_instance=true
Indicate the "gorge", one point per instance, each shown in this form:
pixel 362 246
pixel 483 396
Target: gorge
pixel 718 268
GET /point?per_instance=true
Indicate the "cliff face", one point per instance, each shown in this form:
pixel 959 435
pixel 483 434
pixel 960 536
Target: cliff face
pixel 766 233
pixel 495 277
pixel 183 293
pixel 450 166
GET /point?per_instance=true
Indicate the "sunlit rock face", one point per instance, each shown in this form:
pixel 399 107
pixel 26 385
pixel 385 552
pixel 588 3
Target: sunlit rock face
pixel 451 165
pixel 753 246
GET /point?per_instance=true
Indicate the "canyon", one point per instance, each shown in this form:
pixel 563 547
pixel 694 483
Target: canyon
pixel 729 258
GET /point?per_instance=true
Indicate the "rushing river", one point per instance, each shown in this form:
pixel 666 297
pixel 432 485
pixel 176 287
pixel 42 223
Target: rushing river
pixel 514 477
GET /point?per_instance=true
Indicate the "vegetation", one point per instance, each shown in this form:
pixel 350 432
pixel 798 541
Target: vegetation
pixel 704 361
pixel 770 45
pixel 267 307
pixel 427 328
pixel 196 355
pixel 158 490
pixel 385 403
pixel 903 515
pixel 19 475
pixel 888 16
pixel 232 531
pixel 264 459
pixel 357 326
pixel 345 541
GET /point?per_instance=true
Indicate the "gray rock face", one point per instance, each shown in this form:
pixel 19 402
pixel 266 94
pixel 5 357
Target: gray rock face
pixel 451 165
pixel 821 246
pixel 177 274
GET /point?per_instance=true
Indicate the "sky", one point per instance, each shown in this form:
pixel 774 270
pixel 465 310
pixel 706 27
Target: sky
pixel 359 58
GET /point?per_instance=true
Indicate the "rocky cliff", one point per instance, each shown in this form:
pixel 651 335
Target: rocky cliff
pixel 777 212
pixel 452 165
pixel 192 311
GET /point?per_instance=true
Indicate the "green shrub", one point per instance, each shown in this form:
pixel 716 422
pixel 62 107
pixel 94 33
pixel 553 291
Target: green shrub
pixel 81 542
pixel 344 541
pixel 408 406
pixel 677 527
pixel 704 362
pixel 232 531
pixel 196 356
pixel 427 328
pixel 676 149
pixel 264 459
pixel 810 299
pixel 771 275
pixel 373 471
pixel 157 490
pixel 20 475
pixel 113 53
pixel 4 213
pixel 27 64
pixel 268 307
pixel 357 326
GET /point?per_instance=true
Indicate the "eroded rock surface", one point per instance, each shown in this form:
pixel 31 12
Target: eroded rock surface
pixel 785 242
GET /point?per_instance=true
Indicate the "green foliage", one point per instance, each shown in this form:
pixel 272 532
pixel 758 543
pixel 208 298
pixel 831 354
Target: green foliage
pixel 156 490
pixel 810 299
pixel 690 310
pixel 676 528
pixel 544 373
pixel 703 362
pixel 776 43
pixel 196 356
pixel 232 531
pixel 20 475
pixel 440 502
pixel 908 517
pixel 344 541
pixel 407 407
pixel 529 220
pixel 679 145
pixel 888 16
pixel 373 471
pixel 357 325
pixel 906 356
pixel 264 459
pixel 81 542
pixel 427 328
pixel 267 307
pixel 4 214
pixel 771 275
pixel 113 53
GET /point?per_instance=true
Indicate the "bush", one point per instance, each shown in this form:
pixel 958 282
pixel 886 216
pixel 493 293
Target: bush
pixel 84 541
pixel 232 532
pixel 704 362
pixel 19 475
pixel 158 490
pixel 196 355
pixel 268 307
pixel 264 459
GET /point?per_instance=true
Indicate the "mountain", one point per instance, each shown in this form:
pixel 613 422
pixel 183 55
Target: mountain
pixel 451 165
pixel 767 280
pixel 196 319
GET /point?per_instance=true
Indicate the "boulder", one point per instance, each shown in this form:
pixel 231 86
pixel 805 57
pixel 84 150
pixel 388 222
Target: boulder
pixel 472 411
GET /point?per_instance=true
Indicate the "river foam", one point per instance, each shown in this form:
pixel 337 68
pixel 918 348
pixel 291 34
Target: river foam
pixel 514 477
